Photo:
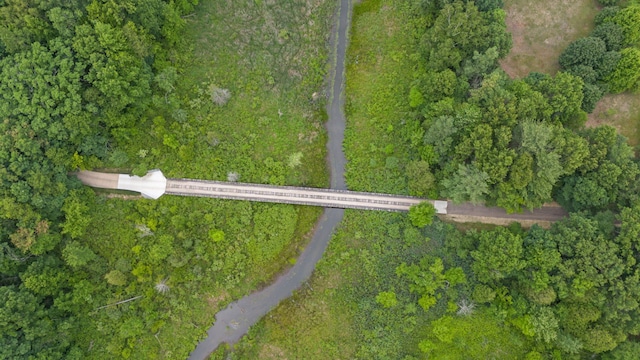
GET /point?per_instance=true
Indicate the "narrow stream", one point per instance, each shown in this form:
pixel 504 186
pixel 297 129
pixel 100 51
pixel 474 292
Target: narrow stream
pixel 234 321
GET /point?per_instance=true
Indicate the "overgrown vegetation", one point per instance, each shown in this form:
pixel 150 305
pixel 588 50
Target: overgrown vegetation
pixel 217 91
pixel 467 131
pixel 229 92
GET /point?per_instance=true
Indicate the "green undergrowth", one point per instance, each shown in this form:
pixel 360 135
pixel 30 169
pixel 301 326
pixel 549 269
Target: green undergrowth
pixel 358 305
pixel 244 102
pixel 379 74
pixel 340 313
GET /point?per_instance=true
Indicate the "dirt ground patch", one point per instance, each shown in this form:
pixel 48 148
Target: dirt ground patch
pixel 621 111
pixel 541 30
pixel 483 220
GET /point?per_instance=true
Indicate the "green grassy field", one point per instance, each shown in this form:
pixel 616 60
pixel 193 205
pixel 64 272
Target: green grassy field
pixel 266 60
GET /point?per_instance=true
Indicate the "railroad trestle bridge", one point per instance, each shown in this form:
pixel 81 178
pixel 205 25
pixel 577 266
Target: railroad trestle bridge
pixel 154 185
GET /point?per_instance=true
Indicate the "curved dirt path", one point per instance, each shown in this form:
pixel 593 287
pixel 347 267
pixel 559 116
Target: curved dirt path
pixel 234 321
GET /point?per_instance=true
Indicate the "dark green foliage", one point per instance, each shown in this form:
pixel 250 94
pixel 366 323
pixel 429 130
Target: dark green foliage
pixel 605 179
pixel 26 329
pixel 586 51
pixel 612 35
pixel 608 2
pixel 606 15
pixel 587 73
pixel 489 5
pixel 591 95
pixel 628 350
pixel 608 63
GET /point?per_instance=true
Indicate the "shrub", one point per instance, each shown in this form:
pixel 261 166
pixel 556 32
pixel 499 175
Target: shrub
pixel 218 95
pixel 422 214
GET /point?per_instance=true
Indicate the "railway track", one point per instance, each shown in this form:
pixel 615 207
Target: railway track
pixel 154 185
pixel 296 195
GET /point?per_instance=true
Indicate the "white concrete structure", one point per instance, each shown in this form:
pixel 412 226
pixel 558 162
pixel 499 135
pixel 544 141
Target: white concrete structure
pixel 151 186
pixel 441 206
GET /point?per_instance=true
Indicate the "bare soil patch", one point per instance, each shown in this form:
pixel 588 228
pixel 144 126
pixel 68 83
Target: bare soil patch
pixel 541 30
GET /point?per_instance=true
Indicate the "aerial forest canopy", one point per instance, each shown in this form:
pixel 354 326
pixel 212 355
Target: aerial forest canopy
pixel 519 143
pixel 75 78
pixel 80 78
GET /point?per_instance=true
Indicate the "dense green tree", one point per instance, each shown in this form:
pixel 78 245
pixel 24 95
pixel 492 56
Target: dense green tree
pixel 446 47
pixel 564 94
pixel 545 324
pixel 76 254
pixel 598 340
pixel 25 329
pixel 498 255
pixel 480 65
pixel 422 214
pixel 591 95
pixel 441 135
pixel 627 71
pixel 606 15
pixel 22 24
pixel 608 63
pixel 628 350
pixel 542 257
pixel 120 79
pixel 587 51
pixel 629 21
pixel 612 35
pixel 467 184
pixel 605 177
pixel 488 5
pixel 421 181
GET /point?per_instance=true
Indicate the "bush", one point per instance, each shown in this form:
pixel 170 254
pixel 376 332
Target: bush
pixel 608 2
pixel 218 95
pixel 422 214
pixel 627 72
pixel 629 21
pixel 592 94
pixel 611 34
pixel 606 15
pixel 585 51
